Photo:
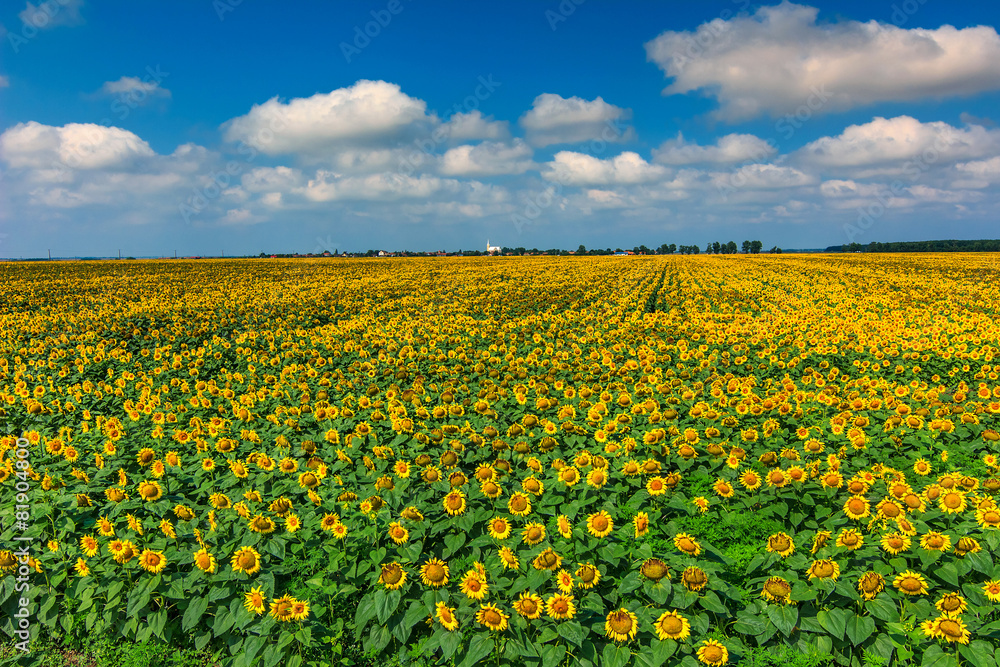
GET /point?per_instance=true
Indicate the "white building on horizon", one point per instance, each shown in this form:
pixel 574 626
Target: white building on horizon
pixel 491 249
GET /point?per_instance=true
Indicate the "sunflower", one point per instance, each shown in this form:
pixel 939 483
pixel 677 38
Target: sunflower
pixel 654 569
pixel 687 544
pixel 89 545
pixel 712 653
pixel 339 531
pixel 519 504
pixel 254 601
pixel 281 608
pixel 949 628
pixel 895 543
pixel 672 625
pixel 509 559
pixel 824 569
pixel 777 590
pixel 967 545
pixel 910 583
pixel 871 584
pixel 560 607
pixel 564 527
pixel 150 491
pixel 397 533
pixel 889 509
pixel 850 539
pixel 780 543
pixel 951 604
pixel 922 467
pixel 204 560
pixel 641 524
pixel 857 508
pixel 262 524
pixel 723 488
pixel 991 589
pixel 988 518
pixel 621 625
pixel 935 541
pixel 490 616
pixel 656 486
pixel 152 561
pixel 445 616
pixel 307 480
pixel 952 502
pixel 81 567
pixel 499 528
pixel 694 578
pixel 564 580
pixel 300 610
pixel 819 540
pixel 246 559
pixel 434 572
pixel 533 486
pixel 474 585
pixel 533 533
pixel 105 527
pixel 547 560
pixel 529 605
pixel 750 480
pixel 454 502
pixel 569 476
pixel 588 574
pixel 599 524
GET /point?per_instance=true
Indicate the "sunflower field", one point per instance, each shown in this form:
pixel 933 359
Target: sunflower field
pixel 509 461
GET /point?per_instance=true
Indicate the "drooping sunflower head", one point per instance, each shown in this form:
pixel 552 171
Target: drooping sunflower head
pixel 871 584
pixel 694 578
pixel 491 617
pixel 547 560
pixel 951 604
pixel 780 543
pixel 393 575
pixel 777 590
pixel 654 569
pixel 824 569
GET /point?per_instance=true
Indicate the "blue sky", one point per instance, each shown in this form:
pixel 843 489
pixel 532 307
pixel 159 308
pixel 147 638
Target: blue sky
pixel 536 124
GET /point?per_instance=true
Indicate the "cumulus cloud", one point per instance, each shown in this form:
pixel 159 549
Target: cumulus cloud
pixel 52 14
pixel 487 159
pixel 628 168
pixel 763 177
pixel 330 186
pixel 134 89
pixel 895 140
pixel 730 148
pixel 368 113
pixel 473 125
pixel 773 61
pixel 77 145
pixel 553 119
pixel 978 173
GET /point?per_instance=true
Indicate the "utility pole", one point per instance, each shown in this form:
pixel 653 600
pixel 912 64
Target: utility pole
pixel 119 253
pixel 50 254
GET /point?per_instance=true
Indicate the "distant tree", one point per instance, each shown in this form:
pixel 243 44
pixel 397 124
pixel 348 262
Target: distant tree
pixel 731 248
pixel 582 250
pixel 775 250
pixel 746 247
pixel 756 246
pixel 716 247
pixel 644 250
pixel 708 248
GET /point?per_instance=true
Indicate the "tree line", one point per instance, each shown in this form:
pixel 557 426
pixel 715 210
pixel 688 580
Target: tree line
pixel 950 245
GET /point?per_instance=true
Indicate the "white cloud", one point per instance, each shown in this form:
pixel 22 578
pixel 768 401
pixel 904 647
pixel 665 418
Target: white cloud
pixel 628 168
pixel 553 119
pixel 978 173
pixel 330 186
pixel 775 60
pixel 894 140
pixel 473 125
pixel 368 113
pixel 272 179
pixel 52 13
pixel 134 89
pixel 727 149
pixel 487 159
pixel 762 177
pixel 77 146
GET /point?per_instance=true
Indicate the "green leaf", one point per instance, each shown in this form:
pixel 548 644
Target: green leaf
pixel 934 656
pixel 978 652
pixel 452 544
pixel 883 609
pixel 859 628
pixel 450 640
pixel 833 621
pixel 615 656
pixel 784 617
pixel 948 573
pixel 480 646
pixel 552 655
pixel 196 609
pixel 572 632
pixel 386 603
pixel 711 602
